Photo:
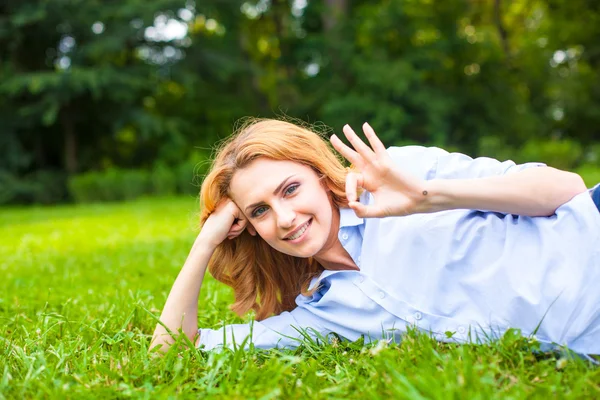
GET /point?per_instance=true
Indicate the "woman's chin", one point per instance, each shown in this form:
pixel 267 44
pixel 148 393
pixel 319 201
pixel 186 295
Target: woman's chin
pixel 304 252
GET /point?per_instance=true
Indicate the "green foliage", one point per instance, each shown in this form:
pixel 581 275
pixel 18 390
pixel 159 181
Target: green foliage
pixel 131 183
pixel 116 184
pixel 85 85
pixel 163 180
pixel 83 287
pixel 590 174
pixel 186 179
pixel 38 187
pixel 86 188
pixel 110 185
pixel 495 147
pixel 190 175
pixel 562 154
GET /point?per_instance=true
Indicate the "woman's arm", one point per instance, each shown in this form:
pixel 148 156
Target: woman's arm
pixel 533 192
pixel 181 309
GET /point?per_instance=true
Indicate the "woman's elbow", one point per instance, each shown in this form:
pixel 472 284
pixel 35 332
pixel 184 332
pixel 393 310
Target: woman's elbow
pixel 569 185
pixel 575 184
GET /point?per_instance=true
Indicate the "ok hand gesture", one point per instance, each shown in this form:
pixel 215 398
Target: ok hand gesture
pixel 396 193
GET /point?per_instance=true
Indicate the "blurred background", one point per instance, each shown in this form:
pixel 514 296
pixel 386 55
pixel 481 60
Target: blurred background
pixel 111 100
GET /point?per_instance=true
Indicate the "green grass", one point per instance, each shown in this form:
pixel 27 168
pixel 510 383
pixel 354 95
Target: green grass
pixel 80 285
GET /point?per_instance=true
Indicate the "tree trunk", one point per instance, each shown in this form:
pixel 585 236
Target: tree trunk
pixel 39 153
pixel 70 150
pixel 334 11
pixel 500 27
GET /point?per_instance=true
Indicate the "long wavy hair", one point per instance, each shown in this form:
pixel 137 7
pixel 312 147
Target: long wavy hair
pixel 264 279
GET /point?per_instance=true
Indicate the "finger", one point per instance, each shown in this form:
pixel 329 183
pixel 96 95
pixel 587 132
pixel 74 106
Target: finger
pixel 345 151
pixel 238 227
pixel 362 149
pixel 241 223
pixel 353 182
pixel 374 141
pixel 232 234
pixel 361 210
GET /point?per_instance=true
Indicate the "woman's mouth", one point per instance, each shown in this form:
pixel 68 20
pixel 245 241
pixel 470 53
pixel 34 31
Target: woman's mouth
pixel 300 233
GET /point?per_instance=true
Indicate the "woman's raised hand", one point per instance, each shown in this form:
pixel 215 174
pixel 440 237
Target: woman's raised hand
pixel 395 192
pixel 226 222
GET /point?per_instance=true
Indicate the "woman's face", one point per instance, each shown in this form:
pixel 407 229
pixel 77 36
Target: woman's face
pixel 287 205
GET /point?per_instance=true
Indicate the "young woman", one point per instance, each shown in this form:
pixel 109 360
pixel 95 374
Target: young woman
pixel 461 248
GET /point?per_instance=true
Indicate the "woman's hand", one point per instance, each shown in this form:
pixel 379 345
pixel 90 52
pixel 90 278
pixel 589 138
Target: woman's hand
pixel 226 222
pixel 396 193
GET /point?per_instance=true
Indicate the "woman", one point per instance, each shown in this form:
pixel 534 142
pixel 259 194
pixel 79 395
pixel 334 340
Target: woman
pixel 461 248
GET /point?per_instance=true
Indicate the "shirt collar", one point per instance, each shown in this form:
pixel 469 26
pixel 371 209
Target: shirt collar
pixel 349 218
pixel 317 279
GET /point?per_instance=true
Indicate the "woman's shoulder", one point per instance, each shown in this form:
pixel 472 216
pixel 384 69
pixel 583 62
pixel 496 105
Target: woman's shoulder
pixel 420 161
pixel 415 150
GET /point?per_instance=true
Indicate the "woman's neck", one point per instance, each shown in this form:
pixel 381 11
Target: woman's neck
pixel 333 256
pixel 339 261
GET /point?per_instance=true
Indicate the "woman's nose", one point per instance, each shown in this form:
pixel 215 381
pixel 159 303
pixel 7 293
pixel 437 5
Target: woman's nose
pixel 285 217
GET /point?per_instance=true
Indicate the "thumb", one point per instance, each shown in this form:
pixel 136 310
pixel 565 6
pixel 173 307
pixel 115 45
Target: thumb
pixel 361 210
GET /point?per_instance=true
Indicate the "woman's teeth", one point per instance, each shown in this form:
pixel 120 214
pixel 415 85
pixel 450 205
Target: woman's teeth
pixel 300 232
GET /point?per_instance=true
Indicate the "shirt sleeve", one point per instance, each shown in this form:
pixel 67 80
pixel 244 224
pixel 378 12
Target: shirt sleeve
pixel 435 163
pixel 283 331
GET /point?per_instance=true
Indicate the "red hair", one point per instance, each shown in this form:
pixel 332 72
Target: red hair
pixel 264 279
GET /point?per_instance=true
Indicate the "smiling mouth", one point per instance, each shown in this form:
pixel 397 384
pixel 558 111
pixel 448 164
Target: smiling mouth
pixel 300 231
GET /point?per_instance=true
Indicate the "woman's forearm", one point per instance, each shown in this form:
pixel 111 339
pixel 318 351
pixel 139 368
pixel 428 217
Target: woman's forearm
pixel 181 308
pixel 533 192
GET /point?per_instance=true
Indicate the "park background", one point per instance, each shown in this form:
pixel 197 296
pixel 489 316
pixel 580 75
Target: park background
pixel 109 111
pixel 110 100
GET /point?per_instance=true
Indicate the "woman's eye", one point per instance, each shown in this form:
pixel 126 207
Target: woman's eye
pixel 259 211
pixel 291 189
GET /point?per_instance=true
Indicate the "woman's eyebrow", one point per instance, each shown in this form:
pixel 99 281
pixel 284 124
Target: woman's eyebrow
pixel 277 189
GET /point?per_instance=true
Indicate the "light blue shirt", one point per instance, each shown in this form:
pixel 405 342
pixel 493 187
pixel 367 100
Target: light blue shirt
pixel 459 275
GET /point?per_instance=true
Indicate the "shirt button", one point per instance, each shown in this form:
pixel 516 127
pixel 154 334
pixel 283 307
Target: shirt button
pixel 345 236
pixel 461 329
pixel 381 294
pixel 418 316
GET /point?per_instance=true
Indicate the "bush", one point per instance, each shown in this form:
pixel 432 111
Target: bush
pixel 561 154
pixel 39 187
pixel 132 183
pixel 8 187
pixel 47 186
pixel 110 185
pixel 89 187
pixel 163 180
pixel 189 177
pixel 590 174
pixel 495 147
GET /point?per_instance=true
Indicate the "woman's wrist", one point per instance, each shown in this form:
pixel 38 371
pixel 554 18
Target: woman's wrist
pixel 438 195
pixel 201 252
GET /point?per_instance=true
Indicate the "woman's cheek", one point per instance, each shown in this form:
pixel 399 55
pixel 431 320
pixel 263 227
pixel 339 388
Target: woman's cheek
pixel 263 230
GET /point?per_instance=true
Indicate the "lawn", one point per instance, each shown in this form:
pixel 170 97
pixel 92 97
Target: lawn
pixel 82 286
